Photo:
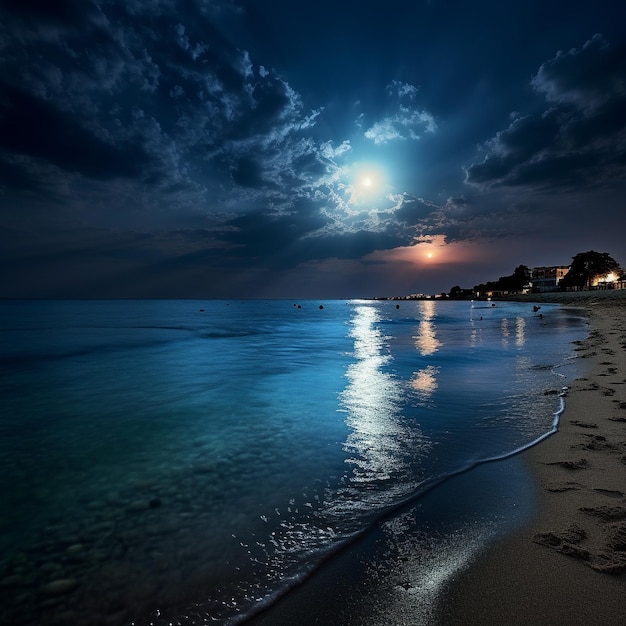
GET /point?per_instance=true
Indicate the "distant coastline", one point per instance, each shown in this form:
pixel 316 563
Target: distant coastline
pixel 583 297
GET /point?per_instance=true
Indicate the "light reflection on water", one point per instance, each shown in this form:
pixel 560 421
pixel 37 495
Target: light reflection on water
pixel 424 381
pixel 380 443
pixel 520 338
pixel 518 332
pixel 426 340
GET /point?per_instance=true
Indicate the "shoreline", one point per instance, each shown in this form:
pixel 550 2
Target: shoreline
pixel 511 580
pixel 568 565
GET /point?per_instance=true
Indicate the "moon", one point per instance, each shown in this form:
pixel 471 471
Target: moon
pixel 366 183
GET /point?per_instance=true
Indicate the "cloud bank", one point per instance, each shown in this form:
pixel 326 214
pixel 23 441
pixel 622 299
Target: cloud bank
pixel 578 140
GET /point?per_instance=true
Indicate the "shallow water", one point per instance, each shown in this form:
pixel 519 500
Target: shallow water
pixel 186 462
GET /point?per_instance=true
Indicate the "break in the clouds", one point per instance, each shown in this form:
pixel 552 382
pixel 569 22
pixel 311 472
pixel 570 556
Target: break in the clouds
pixel 405 120
pixel 203 146
pixel 578 139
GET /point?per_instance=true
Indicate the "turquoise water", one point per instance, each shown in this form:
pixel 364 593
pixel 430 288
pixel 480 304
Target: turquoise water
pixel 187 461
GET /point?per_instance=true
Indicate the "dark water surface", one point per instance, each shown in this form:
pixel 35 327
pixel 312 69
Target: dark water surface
pixel 187 462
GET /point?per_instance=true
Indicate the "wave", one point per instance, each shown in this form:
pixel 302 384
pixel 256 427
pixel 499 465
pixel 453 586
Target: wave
pixel 390 512
pixel 37 357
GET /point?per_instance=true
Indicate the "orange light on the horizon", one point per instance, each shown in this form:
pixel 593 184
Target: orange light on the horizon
pixel 433 254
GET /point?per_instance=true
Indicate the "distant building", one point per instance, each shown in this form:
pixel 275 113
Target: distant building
pixel 545 279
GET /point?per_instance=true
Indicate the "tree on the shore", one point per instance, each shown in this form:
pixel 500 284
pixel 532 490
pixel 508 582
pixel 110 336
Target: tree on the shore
pixel 509 284
pixel 520 278
pixel 586 267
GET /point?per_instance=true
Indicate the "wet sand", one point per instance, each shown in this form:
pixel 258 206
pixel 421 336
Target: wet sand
pixel 569 565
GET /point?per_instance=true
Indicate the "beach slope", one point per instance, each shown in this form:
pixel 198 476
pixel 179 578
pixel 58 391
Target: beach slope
pixel 569 565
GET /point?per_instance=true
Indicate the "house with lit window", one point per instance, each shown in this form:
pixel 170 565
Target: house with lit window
pixel 546 279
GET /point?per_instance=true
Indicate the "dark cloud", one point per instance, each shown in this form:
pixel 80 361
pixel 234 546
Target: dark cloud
pixel 152 92
pixel 585 78
pixel 310 165
pixel 352 245
pixel 580 141
pixel 269 235
pixel 307 234
pixel 269 101
pixel 15 177
pixel 70 12
pixel 456 203
pixel 247 172
pixel 414 210
pixel 36 128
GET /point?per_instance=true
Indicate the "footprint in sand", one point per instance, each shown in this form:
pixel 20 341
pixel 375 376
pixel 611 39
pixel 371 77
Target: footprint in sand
pixel 606 513
pixel 561 487
pixel 572 465
pixel 583 424
pixel 609 492
pixel 595 442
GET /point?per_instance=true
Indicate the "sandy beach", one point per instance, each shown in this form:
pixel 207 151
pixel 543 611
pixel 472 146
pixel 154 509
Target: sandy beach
pixel 569 565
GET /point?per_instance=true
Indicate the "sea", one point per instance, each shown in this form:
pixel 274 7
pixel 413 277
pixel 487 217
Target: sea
pixel 196 462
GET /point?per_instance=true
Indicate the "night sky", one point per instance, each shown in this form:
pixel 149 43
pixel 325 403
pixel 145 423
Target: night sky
pixel 273 148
